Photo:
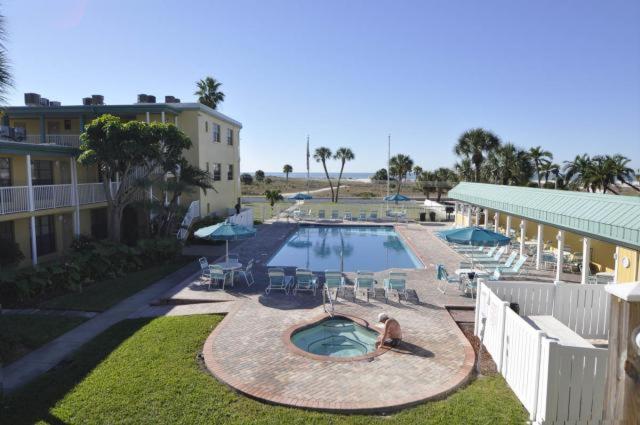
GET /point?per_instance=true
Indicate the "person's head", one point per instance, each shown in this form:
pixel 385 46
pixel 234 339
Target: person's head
pixel 383 317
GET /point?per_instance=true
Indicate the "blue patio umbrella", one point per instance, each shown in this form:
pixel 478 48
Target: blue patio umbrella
pixel 475 236
pixel 225 231
pixel 300 197
pixel 396 198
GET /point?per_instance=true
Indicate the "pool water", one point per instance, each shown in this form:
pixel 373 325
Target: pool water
pixel 345 248
pixel 336 337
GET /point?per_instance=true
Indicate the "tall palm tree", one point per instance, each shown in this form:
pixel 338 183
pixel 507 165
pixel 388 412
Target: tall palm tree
pixel 344 155
pixel 464 169
pixel 539 157
pixel 444 177
pixel 474 144
pixel 604 173
pixel 417 170
pixel 286 170
pixel 209 92
pixel 322 154
pixel 508 165
pixel 549 168
pixel 624 174
pixel 400 166
pixel 579 172
pixel 273 196
pixel 6 80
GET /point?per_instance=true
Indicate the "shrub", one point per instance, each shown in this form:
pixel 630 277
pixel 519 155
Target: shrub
pixel 259 175
pixel 10 254
pixel 246 178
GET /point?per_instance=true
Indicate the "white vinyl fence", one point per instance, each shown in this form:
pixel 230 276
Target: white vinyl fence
pixel 244 218
pixel 555 383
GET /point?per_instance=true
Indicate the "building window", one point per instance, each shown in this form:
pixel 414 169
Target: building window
pixel 230 172
pixel 6 231
pixel 67 125
pixel 5 172
pixel 217 171
pixel 45 235
pixel 41 172
pixel 229 136
pixel 99 223
pixel 206 126
pixel 216 133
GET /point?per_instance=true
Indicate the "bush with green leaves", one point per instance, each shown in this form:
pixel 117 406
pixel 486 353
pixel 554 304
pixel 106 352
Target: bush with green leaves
pixel 10 254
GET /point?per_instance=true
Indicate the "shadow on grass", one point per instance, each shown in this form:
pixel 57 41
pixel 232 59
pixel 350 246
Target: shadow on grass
pixel 33 402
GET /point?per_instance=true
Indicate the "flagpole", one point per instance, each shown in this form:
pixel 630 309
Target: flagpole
pixel 308 164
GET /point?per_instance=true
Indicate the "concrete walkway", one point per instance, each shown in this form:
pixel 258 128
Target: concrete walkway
pixel 47 312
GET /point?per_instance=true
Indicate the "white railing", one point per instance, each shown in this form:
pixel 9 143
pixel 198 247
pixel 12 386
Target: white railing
pixel 244 218
pixel 554 382
pixel 14 199
pixel 52 196
pixel 192 213
pixel 70 140
pixel 91 193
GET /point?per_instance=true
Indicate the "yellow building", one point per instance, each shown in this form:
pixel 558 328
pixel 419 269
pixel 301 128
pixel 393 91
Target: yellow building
pixel 46 198
pixel 600 233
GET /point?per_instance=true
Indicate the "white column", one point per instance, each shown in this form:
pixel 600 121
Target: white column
pixel 148 117
pixel 477 216
pixel 34 248
pixel 486 218
pixel 615 264
pixel 523 233
pixel 496 221
pixel 162 117
pixel 76 198
pixel 508 227
pixel 586 253
pixel 560 255
pixel 468 215
pixel 539 246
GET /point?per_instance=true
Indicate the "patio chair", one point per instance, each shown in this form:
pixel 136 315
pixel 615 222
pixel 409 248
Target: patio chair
pixel 517 268
pixel 204 267
pixel 348 216
pixel 447 280
pixel 397 281
pixel 247 272
pixel 234 257
pixel 305 281
pixel 278 281
pixel 321 215
pixel 217 276
pixel 362 216
pixel 471 287
pixel 334 280
pixel 508 262
pixel 373 216
pixel 335 215
pixel 365 282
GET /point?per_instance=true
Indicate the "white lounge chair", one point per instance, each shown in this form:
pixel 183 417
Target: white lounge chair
pixel 365 282
pixel 362 216
pixel 305 281
pixel 335 215
pixel 334 280
pixel 348 216
pixel 278 281
pixel 494 259
pixel 508 262
pixel 517 268
pixel 397 281
pixel 321 215
pixel 373 216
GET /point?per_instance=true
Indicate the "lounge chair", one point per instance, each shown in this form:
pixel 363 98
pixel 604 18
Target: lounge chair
pixel 348 216
pixel 373 216
pixel 517 268
pixel 335 215
pixel 397 281
pixel 362 216
pixel 204 267
pixel 365 282
pixel 334 280
pixel 508 262
pixel 247 272
pixel 278 281
pixel 217 276
pixel 321 215
pixel 305 281
pixel 494 259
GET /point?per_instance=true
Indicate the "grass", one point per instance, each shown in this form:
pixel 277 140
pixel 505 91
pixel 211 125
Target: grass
pixel 142 371
pixel 23 333
pixel 104 294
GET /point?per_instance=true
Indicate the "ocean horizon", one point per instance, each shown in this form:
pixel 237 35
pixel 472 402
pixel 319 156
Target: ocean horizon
pixel 319 175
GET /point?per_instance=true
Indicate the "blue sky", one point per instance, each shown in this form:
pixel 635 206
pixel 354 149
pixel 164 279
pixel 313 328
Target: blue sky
pixel 561 74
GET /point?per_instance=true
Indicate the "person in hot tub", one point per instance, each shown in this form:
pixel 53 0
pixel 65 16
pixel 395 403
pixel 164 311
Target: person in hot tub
pixel 392 334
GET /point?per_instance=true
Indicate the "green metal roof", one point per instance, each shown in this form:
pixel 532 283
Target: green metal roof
pixel 23 148
pixel 612 218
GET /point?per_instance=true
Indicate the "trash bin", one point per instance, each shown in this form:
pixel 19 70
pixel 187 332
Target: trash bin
pixel 423 216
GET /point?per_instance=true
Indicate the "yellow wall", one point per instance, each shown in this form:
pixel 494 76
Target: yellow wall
pixel 631 273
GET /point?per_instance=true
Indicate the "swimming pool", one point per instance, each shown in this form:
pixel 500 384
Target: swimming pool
pixel 336 337
pixel 346 248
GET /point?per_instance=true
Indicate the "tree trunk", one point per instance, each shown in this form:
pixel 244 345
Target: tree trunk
pixel 538 175
pixel 439 192
pixel 115 223
pixel 324 165
pixel 339 178
pixel 286 178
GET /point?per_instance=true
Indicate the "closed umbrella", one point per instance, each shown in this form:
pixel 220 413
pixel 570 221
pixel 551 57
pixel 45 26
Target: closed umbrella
pixel 225 231
pixel 396 198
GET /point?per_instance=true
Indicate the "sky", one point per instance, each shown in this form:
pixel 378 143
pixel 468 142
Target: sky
pixel 561 74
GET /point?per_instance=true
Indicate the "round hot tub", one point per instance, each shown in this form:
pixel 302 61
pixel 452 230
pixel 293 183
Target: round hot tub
pixel 338 337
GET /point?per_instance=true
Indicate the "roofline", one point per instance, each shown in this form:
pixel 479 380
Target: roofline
pixel 21 148
pixel 173 108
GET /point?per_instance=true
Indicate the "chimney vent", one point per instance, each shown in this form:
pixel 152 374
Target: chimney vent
pixel 169 99
pixel 32 99
pixel 44 101
pixel 151 99
pixel 86 101
pixel 54 103
pixel 97 99
pixel 142 98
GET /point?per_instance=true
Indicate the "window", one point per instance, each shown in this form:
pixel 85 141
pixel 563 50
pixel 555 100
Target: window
pixel 5 172
pixel 45 235
pixel 206 126
pixel 216 133
pixel 67 125
pixel 230 172
pixel 217 171
pixel 41 172
pixel 229 136
pixel 6 231
pixel 99 223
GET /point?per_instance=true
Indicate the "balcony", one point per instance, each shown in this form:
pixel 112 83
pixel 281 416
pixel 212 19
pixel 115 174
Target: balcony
pixel 68 140
pixel 15 199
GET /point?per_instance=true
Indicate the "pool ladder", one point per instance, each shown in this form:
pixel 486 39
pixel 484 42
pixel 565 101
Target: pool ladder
pixel 326 295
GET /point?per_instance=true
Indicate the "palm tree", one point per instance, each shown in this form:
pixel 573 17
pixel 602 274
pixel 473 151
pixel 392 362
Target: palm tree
pixel 474 144
pixel 417 170
pixel 604 173
pixel 6 81
pixel 286 170
pixel 464 169
pixel 344 155
pixel 548 168
pixel 273 196
pixel 623 174
pixel 400 166
pixel 508 165
pixel 579 172
pixel 539 157
pixel 321 155
pixel 209 92
pixel 443 177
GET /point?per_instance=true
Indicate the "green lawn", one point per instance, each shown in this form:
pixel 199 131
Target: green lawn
pixel 146 371
pixel 20 334
pixel 104 294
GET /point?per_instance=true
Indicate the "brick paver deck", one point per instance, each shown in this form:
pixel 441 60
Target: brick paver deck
pixel 247 350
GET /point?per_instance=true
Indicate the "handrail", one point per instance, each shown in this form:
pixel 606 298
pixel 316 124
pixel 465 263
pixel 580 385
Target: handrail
pixel 325 295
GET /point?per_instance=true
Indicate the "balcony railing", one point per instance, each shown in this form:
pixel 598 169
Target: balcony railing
pixel 69 140
pixel 15 199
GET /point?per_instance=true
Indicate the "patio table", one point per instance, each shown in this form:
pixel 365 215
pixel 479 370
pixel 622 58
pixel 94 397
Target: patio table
pixel 230 265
